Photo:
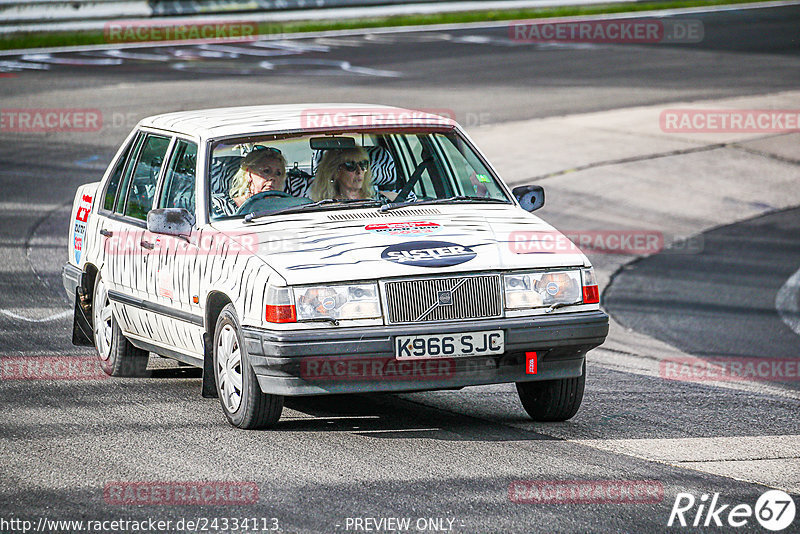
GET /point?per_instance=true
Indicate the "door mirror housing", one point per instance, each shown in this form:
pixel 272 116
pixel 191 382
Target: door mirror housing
pixel 530 197
pixel 170 221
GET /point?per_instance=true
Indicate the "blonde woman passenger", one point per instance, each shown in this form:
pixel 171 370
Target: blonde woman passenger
pixel 263 169
pixel 344 174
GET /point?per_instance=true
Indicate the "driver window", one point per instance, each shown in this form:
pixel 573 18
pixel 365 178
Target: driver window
pixel 142 188
pixel 178 190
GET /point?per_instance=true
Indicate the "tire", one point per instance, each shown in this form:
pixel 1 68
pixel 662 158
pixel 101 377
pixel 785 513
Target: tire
pixel 241 398
pixel 552 400
pixel 118 357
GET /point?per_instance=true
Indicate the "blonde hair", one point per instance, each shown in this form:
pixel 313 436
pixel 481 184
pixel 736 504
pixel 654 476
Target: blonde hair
pixel 326 185
pixel 255 159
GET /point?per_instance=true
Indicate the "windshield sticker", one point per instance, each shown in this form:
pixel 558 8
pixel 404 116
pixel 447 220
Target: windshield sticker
pixel 428 254
pixel 404 228
pixel 79 229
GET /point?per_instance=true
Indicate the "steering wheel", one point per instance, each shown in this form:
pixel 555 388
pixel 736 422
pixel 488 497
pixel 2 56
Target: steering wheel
pixel 248 204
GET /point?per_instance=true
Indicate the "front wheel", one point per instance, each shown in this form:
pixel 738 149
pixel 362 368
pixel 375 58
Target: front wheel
pixel 242 400
pixel 118 357
pixel 552 400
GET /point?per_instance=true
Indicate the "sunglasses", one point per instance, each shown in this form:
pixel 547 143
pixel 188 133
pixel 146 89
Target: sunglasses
pixel 262 147
pixel 350 166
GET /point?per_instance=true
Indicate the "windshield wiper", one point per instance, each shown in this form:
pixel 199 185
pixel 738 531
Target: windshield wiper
pixel 330 202
pixel 458 198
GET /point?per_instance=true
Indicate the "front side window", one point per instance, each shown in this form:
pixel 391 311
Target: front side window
pixel 179 181
pixel 144 176
pixel 354 169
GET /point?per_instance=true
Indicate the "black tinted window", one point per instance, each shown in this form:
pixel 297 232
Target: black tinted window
pixel 142 188
pixel 116 175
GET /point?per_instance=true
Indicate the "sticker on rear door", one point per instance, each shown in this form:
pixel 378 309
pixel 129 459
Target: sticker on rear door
pixel 79 229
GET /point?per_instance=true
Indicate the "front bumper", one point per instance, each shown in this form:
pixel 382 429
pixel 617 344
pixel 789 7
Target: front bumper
pixel 360 360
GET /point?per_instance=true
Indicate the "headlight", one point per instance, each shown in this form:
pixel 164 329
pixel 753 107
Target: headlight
pixel 356 301
pixel 534 290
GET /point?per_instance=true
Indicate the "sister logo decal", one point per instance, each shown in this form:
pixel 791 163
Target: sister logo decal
pixel 410 228
pixel 428 253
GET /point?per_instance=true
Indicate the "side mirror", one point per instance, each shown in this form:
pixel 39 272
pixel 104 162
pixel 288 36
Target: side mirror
pixel 170 221
pixel 530 197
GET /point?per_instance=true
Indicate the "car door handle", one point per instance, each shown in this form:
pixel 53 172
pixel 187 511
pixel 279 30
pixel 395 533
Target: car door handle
pixel 106 233
pixel 147 244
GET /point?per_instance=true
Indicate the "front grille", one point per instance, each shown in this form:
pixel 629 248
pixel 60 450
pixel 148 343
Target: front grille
pixel 421 300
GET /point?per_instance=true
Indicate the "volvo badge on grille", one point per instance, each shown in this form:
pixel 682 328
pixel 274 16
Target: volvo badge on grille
pixel 445 298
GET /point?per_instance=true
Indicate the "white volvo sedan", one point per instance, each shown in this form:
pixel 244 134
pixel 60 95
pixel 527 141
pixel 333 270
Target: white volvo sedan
pixel 324 249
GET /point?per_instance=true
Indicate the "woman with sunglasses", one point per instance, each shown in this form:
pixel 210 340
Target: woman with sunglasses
pixel 263 169
pixel 345 174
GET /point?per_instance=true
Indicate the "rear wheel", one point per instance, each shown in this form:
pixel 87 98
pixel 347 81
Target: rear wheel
pixel 118 357
pixel 552 400
pixel 242 400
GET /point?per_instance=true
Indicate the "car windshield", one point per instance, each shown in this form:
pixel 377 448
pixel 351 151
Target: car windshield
pixel 256 177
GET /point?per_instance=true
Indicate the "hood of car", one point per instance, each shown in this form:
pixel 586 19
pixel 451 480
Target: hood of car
pixel 341 245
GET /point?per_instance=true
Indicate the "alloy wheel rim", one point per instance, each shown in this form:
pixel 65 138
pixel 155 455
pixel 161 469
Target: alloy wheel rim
pixel 229 368
pixel 102 322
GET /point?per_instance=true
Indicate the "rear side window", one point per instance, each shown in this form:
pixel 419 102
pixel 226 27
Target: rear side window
pixel 116 175
pixel 178 190
pixel 144 177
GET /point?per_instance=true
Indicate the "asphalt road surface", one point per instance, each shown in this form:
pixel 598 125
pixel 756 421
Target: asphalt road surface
pixel 721 302
pixel 447 459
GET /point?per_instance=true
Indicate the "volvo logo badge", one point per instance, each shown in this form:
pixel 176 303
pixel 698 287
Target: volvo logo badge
pixel 445 298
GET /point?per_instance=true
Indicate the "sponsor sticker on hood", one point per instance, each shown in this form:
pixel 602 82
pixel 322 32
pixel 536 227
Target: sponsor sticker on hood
pixel 407 228
pixel 428 253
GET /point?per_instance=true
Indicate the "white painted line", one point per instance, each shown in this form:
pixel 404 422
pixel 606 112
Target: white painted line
pixel 387 30
pixel 787 302
pixel 28 206
pixel 772 461
pixel 707 449
pixel 55 317
pixel 648 366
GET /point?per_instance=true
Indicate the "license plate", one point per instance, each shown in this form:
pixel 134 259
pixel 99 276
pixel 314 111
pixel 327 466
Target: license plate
pixel 449 345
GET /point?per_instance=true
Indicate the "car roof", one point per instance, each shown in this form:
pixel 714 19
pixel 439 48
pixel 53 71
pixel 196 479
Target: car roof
pixel 246 120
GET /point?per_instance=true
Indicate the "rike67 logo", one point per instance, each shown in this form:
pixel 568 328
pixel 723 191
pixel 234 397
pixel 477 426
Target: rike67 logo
pixel 774 510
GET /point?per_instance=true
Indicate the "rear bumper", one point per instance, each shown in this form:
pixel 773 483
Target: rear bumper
pixel 359 360
pixel 72 277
